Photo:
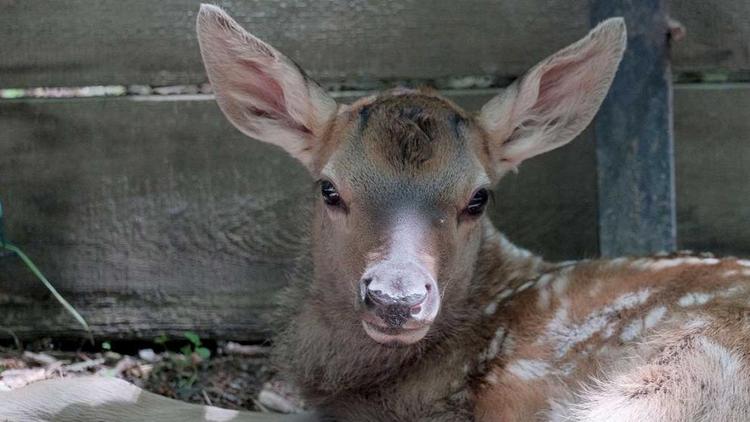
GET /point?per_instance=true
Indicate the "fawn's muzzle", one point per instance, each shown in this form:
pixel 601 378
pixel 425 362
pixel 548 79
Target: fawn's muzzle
pixel 399 300
pixel 393 307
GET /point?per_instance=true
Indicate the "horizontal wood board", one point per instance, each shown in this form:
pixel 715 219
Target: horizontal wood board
pixel 153 214
pixel 341 43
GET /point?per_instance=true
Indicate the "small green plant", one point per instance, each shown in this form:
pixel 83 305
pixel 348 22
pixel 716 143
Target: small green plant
pixel 106 346
pixel 4 244
pixel 195 346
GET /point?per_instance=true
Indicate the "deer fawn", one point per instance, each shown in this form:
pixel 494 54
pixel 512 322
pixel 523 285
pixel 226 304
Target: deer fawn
pixel 417 309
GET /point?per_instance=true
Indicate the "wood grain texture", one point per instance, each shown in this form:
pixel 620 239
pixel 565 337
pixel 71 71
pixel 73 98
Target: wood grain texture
pixel 712 153
pixel 633 132
pixel 79 42
pixel 155 215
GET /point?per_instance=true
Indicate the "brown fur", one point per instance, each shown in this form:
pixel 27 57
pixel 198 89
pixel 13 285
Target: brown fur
pixel 515 338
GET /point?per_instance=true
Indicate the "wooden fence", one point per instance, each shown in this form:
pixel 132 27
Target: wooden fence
pixel 152 214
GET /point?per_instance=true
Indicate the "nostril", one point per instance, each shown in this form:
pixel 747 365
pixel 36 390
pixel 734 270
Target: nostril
pixel 428 287
pixel 367 281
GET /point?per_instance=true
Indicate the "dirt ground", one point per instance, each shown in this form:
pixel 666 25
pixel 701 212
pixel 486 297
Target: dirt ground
pixel 234 376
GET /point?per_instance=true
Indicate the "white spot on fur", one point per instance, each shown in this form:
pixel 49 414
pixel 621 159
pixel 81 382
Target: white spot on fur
pixel 504 294
pixel 524 286
pixel 675 262
pixel 544 281
pixel 691 299
pixel 527 370
pixel 653 316
pixel 215 414
pixel 730 273
pixel 642 263
pixel 564 334
pixel 632 330
pixel 618 261
pixel 493 348
pixel 544 299
pixel 635 327
pixel 609 330
pixel 744 262
pixel 490 309
pixel 560 284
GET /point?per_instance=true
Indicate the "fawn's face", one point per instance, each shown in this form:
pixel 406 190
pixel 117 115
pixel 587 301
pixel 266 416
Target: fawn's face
pixel 403 177
pixel 397 225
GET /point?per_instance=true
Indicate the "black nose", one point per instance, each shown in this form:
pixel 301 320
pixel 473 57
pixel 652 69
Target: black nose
pixel 394 310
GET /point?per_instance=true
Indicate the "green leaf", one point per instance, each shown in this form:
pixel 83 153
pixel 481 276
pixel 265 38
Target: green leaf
pixel 106 345
pixel 161 339
pixel 186 350
pixel 203 353
pixel 193 338
pixel 71 310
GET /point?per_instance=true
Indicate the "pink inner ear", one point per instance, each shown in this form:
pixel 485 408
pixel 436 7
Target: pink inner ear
pixel 565 77
pixel 262 87
pixel 267 96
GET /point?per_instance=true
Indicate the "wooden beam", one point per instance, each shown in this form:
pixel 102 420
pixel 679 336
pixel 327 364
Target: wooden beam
pixel 109 42
pixel 633 132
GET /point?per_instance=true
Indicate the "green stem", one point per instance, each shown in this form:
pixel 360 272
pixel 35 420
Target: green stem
pixel 49 286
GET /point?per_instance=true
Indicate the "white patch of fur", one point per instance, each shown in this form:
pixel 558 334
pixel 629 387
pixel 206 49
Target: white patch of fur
pixel 564 334
pixel 560 284
pixel 618 261
pixel 654 316
pixel 744 262
pixel 693 298
pixel 642 263
pixel 504 294
pixel 490 309
pixel 661 264
pixel 545 297
pixel 730 273
pixel 544 281
pixel 524 286
pixel 528 370
pixel 632 330
pixel 493 348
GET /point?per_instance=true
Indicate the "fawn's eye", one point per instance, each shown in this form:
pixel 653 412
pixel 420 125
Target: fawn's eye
pixel 330 194
pixel 477 203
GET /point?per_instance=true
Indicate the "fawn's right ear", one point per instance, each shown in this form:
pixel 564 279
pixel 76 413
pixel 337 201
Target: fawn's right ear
pixel 262 92
pixel 553 102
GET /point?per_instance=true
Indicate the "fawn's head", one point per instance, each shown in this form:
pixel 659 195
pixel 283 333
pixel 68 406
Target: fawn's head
pixel 404 176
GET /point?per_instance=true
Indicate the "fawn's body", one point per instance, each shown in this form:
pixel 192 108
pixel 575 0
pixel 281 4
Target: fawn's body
pixel 417 309
pixel 663 338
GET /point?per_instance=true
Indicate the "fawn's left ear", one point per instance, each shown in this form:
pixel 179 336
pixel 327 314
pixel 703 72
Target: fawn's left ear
pixel 556 99
pixel 262 92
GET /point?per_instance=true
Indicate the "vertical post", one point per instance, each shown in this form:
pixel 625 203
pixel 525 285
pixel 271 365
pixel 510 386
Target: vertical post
pixel 633 132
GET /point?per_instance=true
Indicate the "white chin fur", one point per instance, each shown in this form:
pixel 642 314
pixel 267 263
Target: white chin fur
pixel 404 337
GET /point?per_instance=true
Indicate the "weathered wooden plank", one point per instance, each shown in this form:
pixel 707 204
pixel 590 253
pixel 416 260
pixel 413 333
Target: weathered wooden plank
pixel 158 216
pixel 712 152
pixel 79 42
pixel 633 132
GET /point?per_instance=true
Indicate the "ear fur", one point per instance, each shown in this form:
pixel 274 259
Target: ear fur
pixel 554 101
pixel 262 92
